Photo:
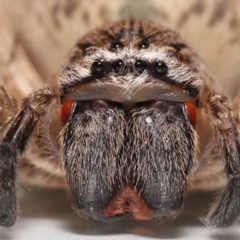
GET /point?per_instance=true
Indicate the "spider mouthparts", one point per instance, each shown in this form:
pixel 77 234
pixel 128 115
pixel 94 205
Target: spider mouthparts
pixel 125 202
pixel 128 200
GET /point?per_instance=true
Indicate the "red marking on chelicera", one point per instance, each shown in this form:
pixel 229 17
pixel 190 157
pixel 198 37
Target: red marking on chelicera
pixel 128 200
pixel 191 111
pixel 66 110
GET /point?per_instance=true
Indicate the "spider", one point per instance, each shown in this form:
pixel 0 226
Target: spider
pixel 128 123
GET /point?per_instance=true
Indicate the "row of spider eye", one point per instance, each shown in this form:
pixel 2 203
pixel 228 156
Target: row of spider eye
pixel 100 67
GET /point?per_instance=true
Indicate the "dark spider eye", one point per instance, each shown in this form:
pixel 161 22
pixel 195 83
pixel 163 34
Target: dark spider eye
pixel 117 65
pixel 98 67
pixel 140 66
pixel 144 44
pixel 160 68
pixel 116 46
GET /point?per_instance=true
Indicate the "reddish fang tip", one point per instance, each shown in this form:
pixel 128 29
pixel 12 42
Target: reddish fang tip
pixel 66 110
pixel 191 111
pixel 128 200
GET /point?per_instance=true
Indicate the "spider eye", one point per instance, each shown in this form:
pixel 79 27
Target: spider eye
pixel 191 111
pixel 160 68
pixel 66 110
pixel 116 46
pixel 117 65
pixel 140 66
pixel 144 44
pixel 98 67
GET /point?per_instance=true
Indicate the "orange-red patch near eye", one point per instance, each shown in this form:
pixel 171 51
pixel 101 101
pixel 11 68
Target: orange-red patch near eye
pixel 66 109
pixel 191 111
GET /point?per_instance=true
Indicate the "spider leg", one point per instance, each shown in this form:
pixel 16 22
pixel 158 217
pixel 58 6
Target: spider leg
pixel 13 143
pixel 226 121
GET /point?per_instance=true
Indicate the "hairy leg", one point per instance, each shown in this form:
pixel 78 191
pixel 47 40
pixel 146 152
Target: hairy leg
pixel 14 142
pixel 226 121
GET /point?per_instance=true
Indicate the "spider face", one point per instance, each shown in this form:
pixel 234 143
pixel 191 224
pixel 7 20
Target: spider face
pixel 130 93
pixel 131 120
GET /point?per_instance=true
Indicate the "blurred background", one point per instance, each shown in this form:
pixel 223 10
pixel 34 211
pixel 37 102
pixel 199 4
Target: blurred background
pixel 36 36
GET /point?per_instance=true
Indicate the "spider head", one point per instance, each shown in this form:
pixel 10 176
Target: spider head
pixel 131 96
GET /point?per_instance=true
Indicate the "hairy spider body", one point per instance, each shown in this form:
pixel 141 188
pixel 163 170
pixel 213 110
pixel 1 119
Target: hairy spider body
pixel 129 123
